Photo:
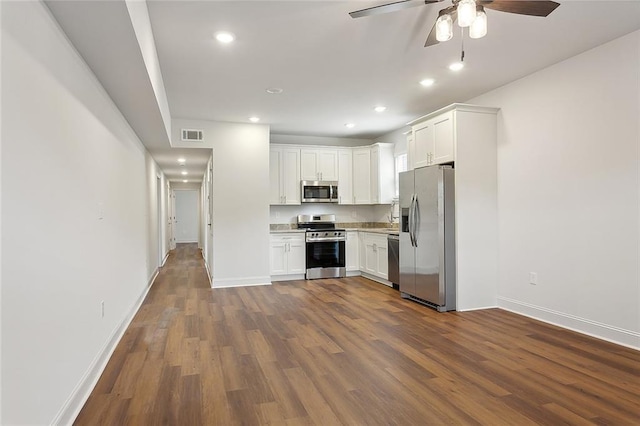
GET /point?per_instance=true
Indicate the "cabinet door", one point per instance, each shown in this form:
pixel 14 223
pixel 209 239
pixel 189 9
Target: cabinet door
pixel 309 164
pixel 423 144
pixel 375 175
pixel 411 152
pixel 290 176
pixel 371 255
pixel 443 138
pixel 362 176
pixel 278 257
pixel 275 176
pixel 345 176
pixel 296 256
pixel 352 258
pixel 327 160
pixel 362 252
pixel 382 262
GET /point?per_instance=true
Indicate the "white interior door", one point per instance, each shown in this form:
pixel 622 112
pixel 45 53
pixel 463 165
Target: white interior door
pixel 186 230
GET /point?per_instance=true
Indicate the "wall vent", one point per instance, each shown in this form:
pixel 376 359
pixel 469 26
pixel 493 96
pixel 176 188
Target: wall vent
pixel 191 135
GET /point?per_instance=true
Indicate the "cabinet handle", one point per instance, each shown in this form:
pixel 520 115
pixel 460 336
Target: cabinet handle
pixel 285 199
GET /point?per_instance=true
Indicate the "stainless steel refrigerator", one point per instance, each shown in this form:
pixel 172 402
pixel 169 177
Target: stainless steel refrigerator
pixel 427 237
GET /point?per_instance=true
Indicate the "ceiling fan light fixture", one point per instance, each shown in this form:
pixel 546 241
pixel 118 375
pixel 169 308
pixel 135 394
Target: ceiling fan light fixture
pixel 456 66
pixel 444 28
pixel 478 28
pixel 466 12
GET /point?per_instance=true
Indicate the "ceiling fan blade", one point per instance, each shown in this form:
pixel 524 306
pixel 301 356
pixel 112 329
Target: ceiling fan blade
pixel 390 7
pixel 522 7
pixel 453 12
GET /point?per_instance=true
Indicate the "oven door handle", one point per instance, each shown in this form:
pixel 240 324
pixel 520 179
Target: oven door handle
pixel 326 239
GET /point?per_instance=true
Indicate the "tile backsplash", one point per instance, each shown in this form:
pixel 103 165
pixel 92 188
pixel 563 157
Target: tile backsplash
pixel 286 215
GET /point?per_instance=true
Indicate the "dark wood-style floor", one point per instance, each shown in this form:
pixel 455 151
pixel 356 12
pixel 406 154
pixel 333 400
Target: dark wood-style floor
pixel 350 352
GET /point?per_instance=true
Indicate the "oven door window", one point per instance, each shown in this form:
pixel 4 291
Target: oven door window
pixel 325 254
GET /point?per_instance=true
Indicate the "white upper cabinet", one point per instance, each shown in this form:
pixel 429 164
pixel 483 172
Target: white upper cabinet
pixel 433 141
pixel 345 176
pixel 319 164
pixel 362 175
pixel 284 175
pixel 373 174
pixel 411 151
pixel 382 173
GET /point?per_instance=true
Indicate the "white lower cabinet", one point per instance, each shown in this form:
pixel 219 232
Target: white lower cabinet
pixel 287 254
pixel 374 261
pixel 352 258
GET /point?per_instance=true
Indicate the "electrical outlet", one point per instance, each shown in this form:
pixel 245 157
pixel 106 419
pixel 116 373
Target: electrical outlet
pixel 533 278
pixel 102 309
pixel 277 215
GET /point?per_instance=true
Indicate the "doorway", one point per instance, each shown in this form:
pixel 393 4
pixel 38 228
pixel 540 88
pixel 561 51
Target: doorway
pixel 186 214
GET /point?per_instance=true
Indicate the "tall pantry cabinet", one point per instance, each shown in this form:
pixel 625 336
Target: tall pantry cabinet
pixel 466 135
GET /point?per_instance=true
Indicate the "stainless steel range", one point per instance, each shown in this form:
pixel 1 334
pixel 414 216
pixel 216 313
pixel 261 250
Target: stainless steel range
pixel 325 246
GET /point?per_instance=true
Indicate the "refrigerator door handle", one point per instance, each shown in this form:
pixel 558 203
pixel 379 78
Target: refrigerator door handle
pixel 412 225
pixel 416 219
pixel 411 220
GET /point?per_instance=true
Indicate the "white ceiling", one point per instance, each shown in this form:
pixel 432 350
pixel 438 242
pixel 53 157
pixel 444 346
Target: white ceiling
pixel 335 69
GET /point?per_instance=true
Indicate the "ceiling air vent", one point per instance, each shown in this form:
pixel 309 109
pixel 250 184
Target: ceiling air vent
pixel 191 135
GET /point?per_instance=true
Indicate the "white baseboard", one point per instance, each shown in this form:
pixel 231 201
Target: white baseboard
pixel 206 266
pixel 240 282
pixel 476 308
pixel 287 277
pixel 83 389
pixel 377 279
pixel 353 273
pixel 620 336
pixel 166 256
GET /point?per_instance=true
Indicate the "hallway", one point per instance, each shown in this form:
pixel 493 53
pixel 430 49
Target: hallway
pixel 349 352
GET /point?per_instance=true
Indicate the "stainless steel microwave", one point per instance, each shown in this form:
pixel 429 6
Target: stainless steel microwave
pixel 315 191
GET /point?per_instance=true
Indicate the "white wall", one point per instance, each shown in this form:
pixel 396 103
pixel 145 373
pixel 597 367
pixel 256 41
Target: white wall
pixel 568 191
pixel 318 140
pixel 344 213
pixel 74 221
pixel 153 216
pixel 240 199
pixel 139 15
pixel 397 137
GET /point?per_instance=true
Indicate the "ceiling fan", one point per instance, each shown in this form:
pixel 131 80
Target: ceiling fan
pixel 468 13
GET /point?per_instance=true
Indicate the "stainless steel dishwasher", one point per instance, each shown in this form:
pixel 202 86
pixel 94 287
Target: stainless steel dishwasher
pixel 393 254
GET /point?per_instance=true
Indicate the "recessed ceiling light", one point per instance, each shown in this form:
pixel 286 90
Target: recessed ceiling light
pixel 456 66
pixel 254 119
pixel 380 108
pixel 275 90
pixel 185 181
pixel 350 125
pixel 181 160
pixel 225 37
pixel 184 172
pixel 427 82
